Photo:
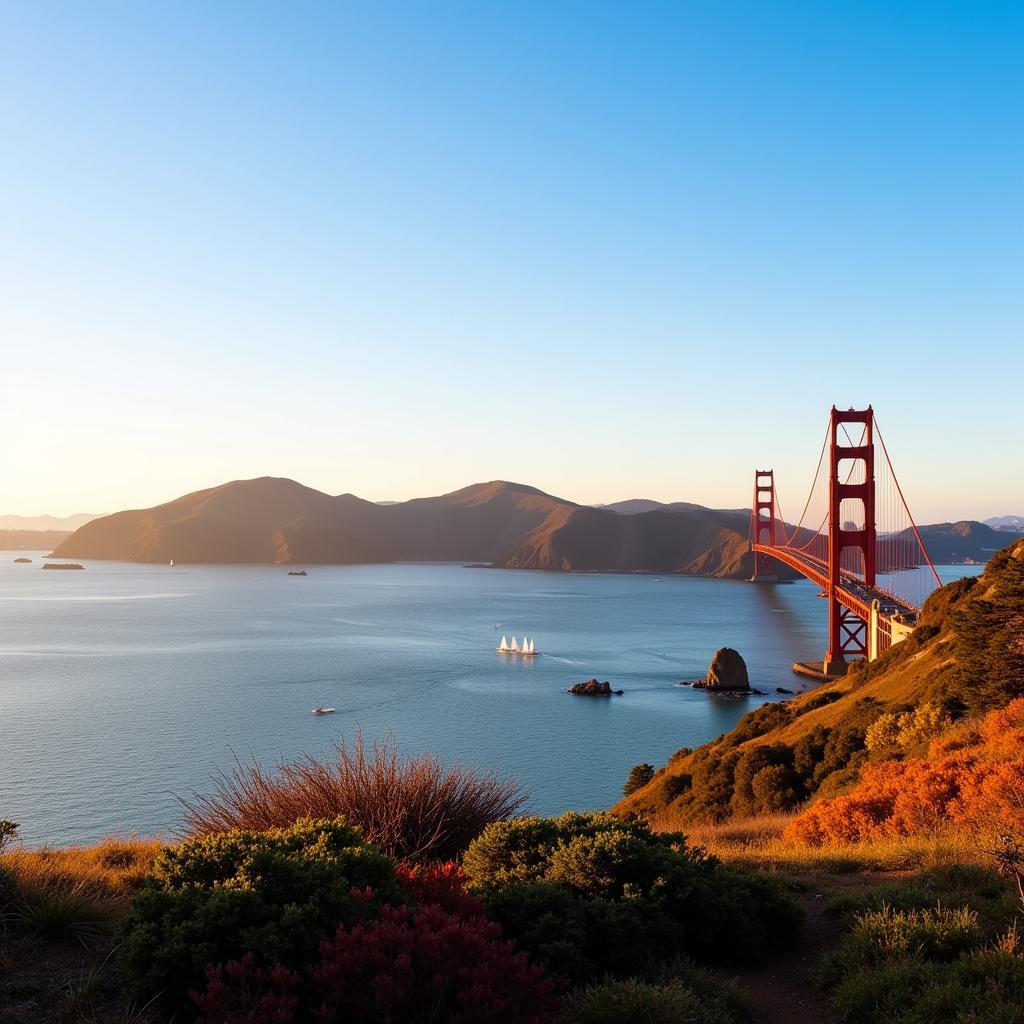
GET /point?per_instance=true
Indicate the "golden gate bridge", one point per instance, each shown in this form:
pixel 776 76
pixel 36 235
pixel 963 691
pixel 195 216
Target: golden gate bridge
pixel 855 538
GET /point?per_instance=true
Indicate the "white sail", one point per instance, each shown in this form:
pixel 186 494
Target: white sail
pixel 503 646
pixel 529 648
pixel 515 646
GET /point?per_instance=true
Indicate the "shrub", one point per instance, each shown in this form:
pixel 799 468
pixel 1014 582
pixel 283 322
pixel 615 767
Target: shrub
pixel 576 936
pixel 411 808
pixel 939 934
pixel 426 964
pixel 276 894
pixel 242 992
pixel 907 729
pixel 981 988
pixel 670 1002
pixel 575 888
pixel 411 964
pixel 639 776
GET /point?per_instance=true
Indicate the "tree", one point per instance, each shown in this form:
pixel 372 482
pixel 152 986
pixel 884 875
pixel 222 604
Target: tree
pixel 639 776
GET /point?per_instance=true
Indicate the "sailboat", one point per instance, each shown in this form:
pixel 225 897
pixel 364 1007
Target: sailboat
pixel 528 649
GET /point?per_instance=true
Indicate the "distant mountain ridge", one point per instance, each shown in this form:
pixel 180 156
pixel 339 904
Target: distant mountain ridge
pixel 66 524
pixel 276 520
pixel 32 540
pixel 633 506
pixel 1011 524
pixel 954 542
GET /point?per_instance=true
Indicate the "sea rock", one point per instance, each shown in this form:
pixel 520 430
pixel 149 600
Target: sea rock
pixel 62 565
pixel 782 689
pixel 728 671
pixel 592 688
pixel 22 561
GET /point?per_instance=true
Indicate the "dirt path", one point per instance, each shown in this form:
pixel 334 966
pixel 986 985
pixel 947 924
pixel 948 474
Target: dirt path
pixel 781 992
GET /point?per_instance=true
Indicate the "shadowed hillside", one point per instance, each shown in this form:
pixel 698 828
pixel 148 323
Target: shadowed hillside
pixel 273 520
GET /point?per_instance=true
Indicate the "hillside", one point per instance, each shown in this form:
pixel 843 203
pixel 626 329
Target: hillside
pixel 949 543
pixel 31 540
pixel 965 657
pixel 273 520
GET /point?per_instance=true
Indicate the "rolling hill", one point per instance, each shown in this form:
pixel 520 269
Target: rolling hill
pixel 275 520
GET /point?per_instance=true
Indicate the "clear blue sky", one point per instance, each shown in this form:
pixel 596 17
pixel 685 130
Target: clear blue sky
pixel 611 250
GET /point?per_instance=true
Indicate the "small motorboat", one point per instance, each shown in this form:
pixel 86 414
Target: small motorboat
pixel 322 711
pixel 171 563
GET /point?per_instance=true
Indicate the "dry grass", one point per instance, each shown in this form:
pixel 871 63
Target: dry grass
pixel 78 892
pixel 412 808
pixel 113 868
pixel 758 843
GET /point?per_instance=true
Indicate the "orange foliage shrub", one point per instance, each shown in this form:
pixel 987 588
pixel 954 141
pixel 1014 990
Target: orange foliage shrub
pixel 971 779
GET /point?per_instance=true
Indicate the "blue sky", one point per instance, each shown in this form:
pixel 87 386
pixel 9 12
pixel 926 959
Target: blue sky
pixel 610 250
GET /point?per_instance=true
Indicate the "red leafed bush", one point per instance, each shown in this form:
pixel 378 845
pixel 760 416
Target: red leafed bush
pixel 438 960
pixel 424 964
pixel 972 778
pixel 244 993
pixel 443 885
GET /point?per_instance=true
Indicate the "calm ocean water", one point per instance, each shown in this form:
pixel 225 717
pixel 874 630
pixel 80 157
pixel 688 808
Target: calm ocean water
pixel 124 685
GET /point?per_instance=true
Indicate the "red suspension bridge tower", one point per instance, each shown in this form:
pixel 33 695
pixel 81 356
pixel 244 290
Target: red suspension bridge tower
pixel 865 552
pixel 849 529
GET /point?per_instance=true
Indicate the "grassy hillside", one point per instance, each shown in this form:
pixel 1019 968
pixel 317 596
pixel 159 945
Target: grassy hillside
pixel 966 657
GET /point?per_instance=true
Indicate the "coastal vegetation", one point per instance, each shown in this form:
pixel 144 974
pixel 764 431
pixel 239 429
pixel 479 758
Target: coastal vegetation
pixel 539 921
pixel 413 808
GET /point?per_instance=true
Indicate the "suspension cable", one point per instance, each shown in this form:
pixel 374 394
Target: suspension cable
pixel 906 507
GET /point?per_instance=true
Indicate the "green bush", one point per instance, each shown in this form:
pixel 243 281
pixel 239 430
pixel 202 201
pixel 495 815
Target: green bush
pixel 985 987
pixel 592 893
pixel 575 936
pixel 669 1002
pixel 276 894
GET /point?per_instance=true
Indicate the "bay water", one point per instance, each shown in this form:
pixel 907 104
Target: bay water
pixel 125 685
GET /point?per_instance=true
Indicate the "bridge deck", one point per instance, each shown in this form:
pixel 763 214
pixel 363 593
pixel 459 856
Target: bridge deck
pixel 853 593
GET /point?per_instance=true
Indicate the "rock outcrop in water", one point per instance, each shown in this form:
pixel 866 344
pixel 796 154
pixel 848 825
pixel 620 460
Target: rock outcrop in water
pixel 592 688
pixel 728 671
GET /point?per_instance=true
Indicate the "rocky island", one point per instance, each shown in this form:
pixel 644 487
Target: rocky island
pixel 22 561
pixel 63 565
pixel 592 688
pixel 727 672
